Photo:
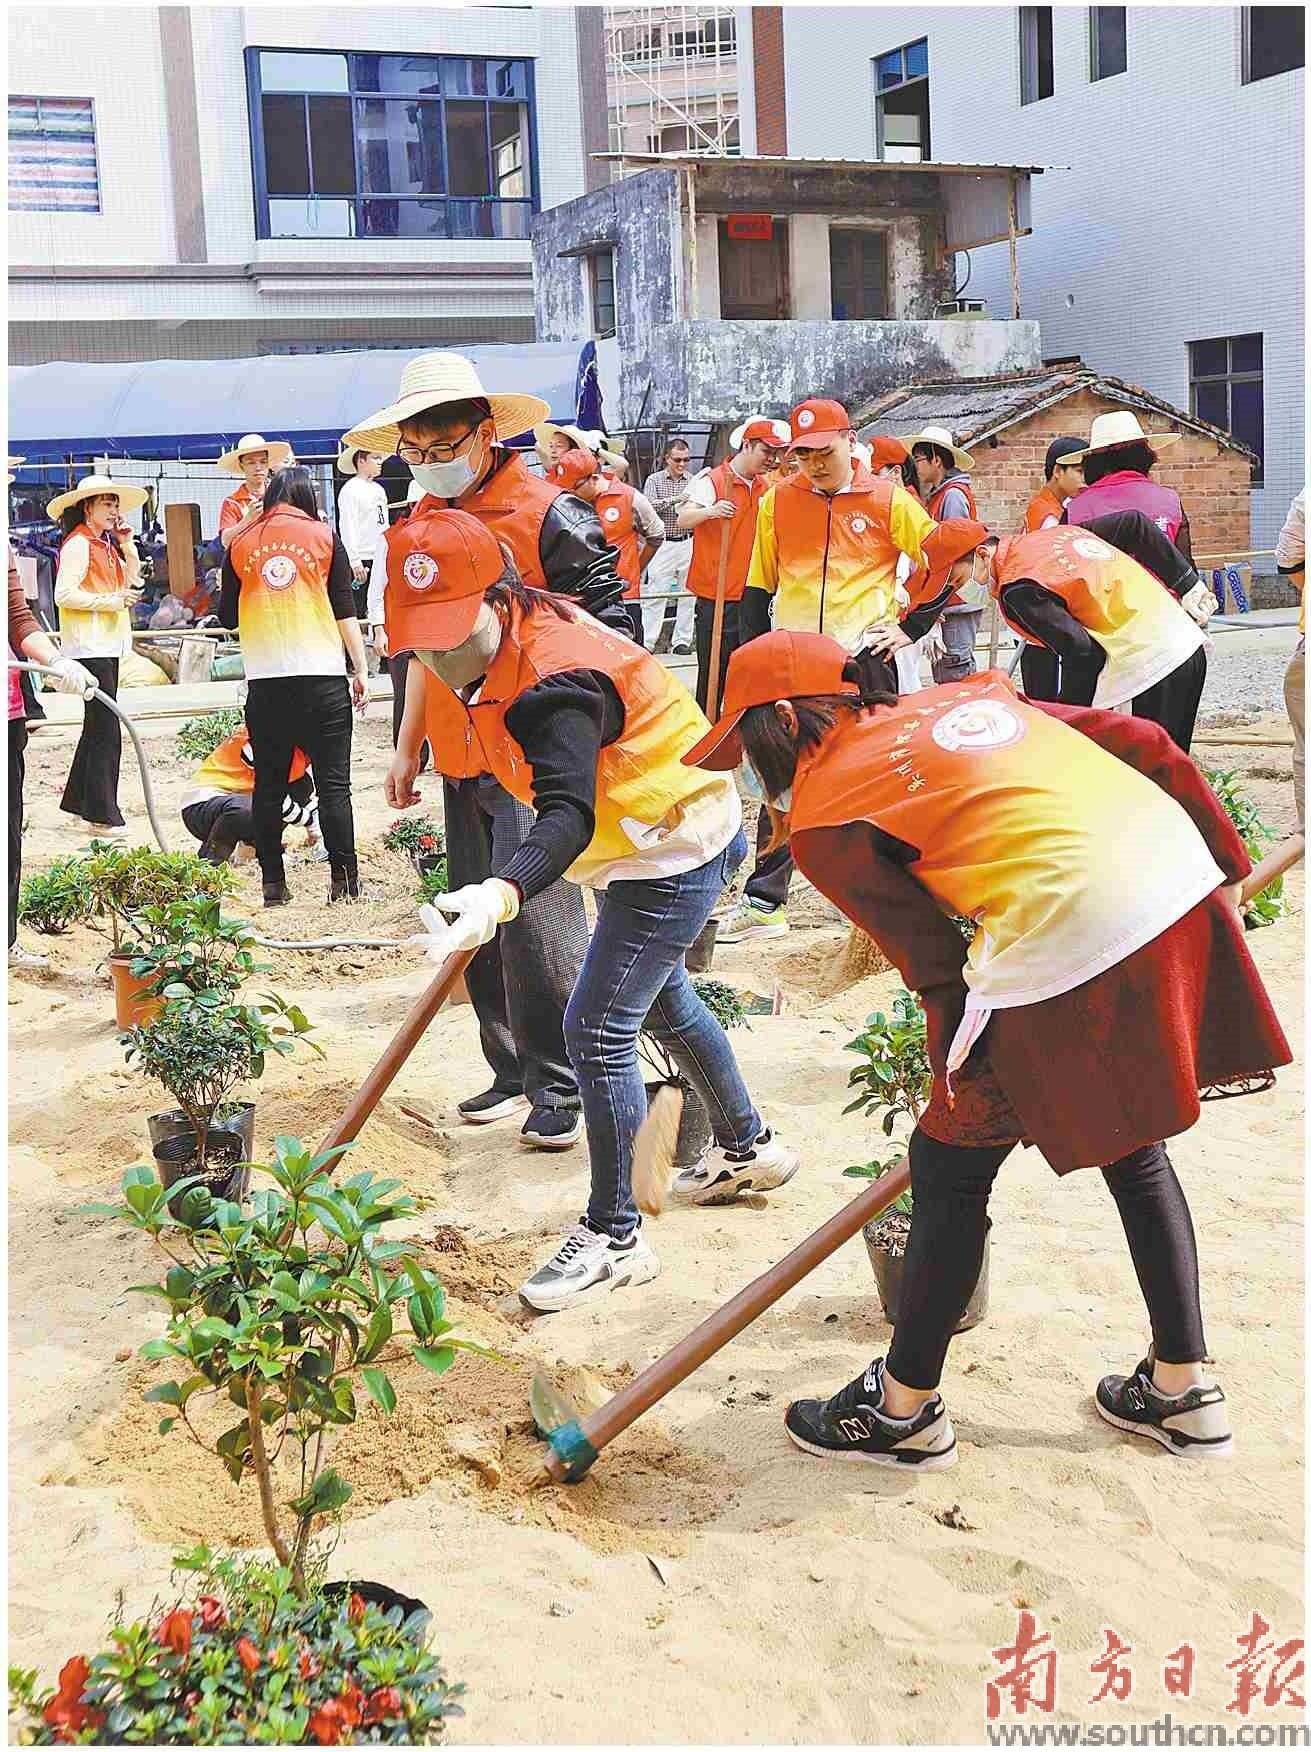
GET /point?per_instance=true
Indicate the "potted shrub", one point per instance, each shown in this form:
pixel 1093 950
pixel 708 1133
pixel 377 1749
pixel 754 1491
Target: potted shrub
pixel 200 1047
pixel 51 900
pixel 895 1079
pixel 694 1130
pixel 124 882
pixel 418 838
pixel 284 1313
pixel 240 1658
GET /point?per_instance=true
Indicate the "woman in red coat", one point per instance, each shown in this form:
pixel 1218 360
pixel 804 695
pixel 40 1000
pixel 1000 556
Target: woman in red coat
pixel 1107 982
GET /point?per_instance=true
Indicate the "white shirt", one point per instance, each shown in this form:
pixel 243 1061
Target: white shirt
pixel 701 491
pixel 93 629
pixel 1290 549
pixel 361 518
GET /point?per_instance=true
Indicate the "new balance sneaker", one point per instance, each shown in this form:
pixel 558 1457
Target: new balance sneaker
pixel 853 1426
pixel 588 1261
pixel 491 1105
pixel 552 1128
pixel 1192 1424
pixel 753 921
pixel 723 1175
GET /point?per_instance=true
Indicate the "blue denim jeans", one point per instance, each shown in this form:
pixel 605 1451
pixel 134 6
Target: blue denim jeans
pixel 632 978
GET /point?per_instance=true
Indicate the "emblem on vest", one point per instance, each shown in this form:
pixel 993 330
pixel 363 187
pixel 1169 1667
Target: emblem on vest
pixel 278 571
pixel 612 513
pixel 859 525
pixel 420 571
pixel 983 724
pixel 1089 548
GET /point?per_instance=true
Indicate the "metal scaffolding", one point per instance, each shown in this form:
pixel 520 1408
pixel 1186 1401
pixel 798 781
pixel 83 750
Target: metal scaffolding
pixel 671 77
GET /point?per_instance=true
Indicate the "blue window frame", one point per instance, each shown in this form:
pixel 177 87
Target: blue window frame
pixel 901 103
pixel 371 146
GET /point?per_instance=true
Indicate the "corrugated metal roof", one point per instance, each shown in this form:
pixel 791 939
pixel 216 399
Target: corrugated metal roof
pixel 655 158
pixel 978 407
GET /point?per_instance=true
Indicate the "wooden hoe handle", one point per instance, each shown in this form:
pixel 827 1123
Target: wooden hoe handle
pixel 717 627
pixel 1287 853
pixel 574 1446
pixel 399 1048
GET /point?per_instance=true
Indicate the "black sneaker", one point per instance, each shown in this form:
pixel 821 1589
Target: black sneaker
pixel 491 1105
pixel 853 1426
pixel 552 1128
pixel 277 894
pixel 1193 1424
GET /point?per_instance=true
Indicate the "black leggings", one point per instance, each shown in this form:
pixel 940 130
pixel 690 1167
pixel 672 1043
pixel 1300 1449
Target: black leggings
pixel 313 713
pixel 17 765
pixel 1173 703
pixel 951 1185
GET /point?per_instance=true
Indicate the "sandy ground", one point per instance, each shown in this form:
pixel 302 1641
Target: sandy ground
pixel 789 1600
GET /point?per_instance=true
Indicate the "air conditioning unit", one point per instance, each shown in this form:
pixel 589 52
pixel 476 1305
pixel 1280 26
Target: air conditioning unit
pixel 962 310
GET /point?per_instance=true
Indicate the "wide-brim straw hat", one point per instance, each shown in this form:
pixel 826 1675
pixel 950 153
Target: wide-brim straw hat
pixel 431 381
pixel 1120 426
pixel 15 462
pixel 944 440
pixel 129 498
pixel 579 439
pixel 280 452
pixel 349 455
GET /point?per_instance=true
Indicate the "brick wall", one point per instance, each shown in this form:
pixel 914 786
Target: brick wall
pixel 1213 482
pixel 771 96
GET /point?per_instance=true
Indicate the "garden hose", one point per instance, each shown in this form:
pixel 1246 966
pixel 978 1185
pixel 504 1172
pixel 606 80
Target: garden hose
pixel 147 788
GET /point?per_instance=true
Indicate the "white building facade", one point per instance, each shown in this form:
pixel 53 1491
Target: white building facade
pixel 1167 239
pixel 222 181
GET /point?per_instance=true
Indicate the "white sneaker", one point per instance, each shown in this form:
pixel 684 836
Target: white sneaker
pixel 588 1261
pixel 722 1175
pixel 20 957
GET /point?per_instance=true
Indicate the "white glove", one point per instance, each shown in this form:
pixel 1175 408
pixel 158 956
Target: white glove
pixel 1200 602
pixel 72 678
pixel 476 913
pixel 932 643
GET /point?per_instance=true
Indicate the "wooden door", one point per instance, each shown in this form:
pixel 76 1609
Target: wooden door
pixel 753 276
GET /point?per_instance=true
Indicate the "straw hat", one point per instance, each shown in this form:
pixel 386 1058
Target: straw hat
pixel 432 380
pixel 944 440
pixel 129 498
pixel 280 453
pixel 580 438
pixel 348 456
pixel 1121 426
pixel 15 462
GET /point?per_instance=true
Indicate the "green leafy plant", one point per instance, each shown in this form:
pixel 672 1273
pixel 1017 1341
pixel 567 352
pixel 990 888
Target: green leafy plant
pixel 199 737
pixel 202 1045
pixel 895 1077
pixel 411 834
pixel 875 1170
pixel 125 882
pixel 1257 838
pixel 240 1658
pixel 435 882
pixel 51 900
pixel 282 1312
pixel 188 947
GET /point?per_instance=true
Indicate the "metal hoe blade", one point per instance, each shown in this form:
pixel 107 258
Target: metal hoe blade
pixel 558 1424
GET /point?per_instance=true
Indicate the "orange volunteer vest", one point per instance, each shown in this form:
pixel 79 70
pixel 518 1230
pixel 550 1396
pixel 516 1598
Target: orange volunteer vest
pixel 837 562
pixel 1145 633
pixel 512 505
pixel 614 509
pixel 106 575
pixel 1042 506
pixel 1021 824
pixel 284 619
pixel 233 508
pixel 707 537
pixel 654 816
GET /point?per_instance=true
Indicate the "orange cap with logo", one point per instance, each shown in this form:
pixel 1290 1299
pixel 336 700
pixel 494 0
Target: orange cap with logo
pixel 817 422
pixel 887 453
pixel 775 666
pixel 948 542
pixel 574 466
pixel 439 565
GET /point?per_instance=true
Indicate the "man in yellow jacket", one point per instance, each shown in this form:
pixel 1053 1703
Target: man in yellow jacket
pixel 827 544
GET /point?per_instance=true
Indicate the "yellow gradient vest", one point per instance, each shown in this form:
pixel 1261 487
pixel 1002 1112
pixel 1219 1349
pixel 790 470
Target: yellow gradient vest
pixel 284 617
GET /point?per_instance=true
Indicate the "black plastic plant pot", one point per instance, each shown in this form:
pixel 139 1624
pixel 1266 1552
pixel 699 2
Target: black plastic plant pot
pixel 694 1133
pixel 376 1594
pixel 701 953
pixel 425 861
pixel 226 1174
pixel 173 1123
pixel 888 1269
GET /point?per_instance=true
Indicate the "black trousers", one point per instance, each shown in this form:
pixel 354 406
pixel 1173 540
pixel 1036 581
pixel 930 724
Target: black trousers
pixel 313 713
pixel 17 772
pixel 1040 671
pixel 221 824
pixel 92 787
pixel 1173 703
pixel 951 1185
pixel 520 982
pixel 703 626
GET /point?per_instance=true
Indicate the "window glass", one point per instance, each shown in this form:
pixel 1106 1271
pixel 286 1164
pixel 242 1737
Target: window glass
pixel 917 59
pixel 509 161
pixel 889 69
pixel 286 146
pixel 52 155
pixel 507 79
pixel 1275 40
pixel 1210 358
pixel 332 148
pixel 1109 41
pixel 311 218
pixel 465 77
pixel 403 219
pixel 466 149
pixel 282 70
pixel 1036 67
pixel 1211 402
pixel 400 146
pixel 1247 413
pixel 1245 353
pixel 403 75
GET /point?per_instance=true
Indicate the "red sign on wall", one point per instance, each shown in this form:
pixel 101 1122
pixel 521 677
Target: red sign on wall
pixel 750 227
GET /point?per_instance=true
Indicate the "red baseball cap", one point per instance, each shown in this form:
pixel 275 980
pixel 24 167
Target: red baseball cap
pixel 948 542
pixel 574 466
pixel 814 423
pixel 775 433
pixel 776 666
pixel 439 565
pixel 887 452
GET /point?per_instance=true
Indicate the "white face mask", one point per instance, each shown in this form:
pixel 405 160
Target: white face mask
pixel 471 660
pixel 445 480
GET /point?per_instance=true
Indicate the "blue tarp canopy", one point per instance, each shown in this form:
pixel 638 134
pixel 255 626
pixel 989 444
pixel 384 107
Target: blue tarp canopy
pixel 191 409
